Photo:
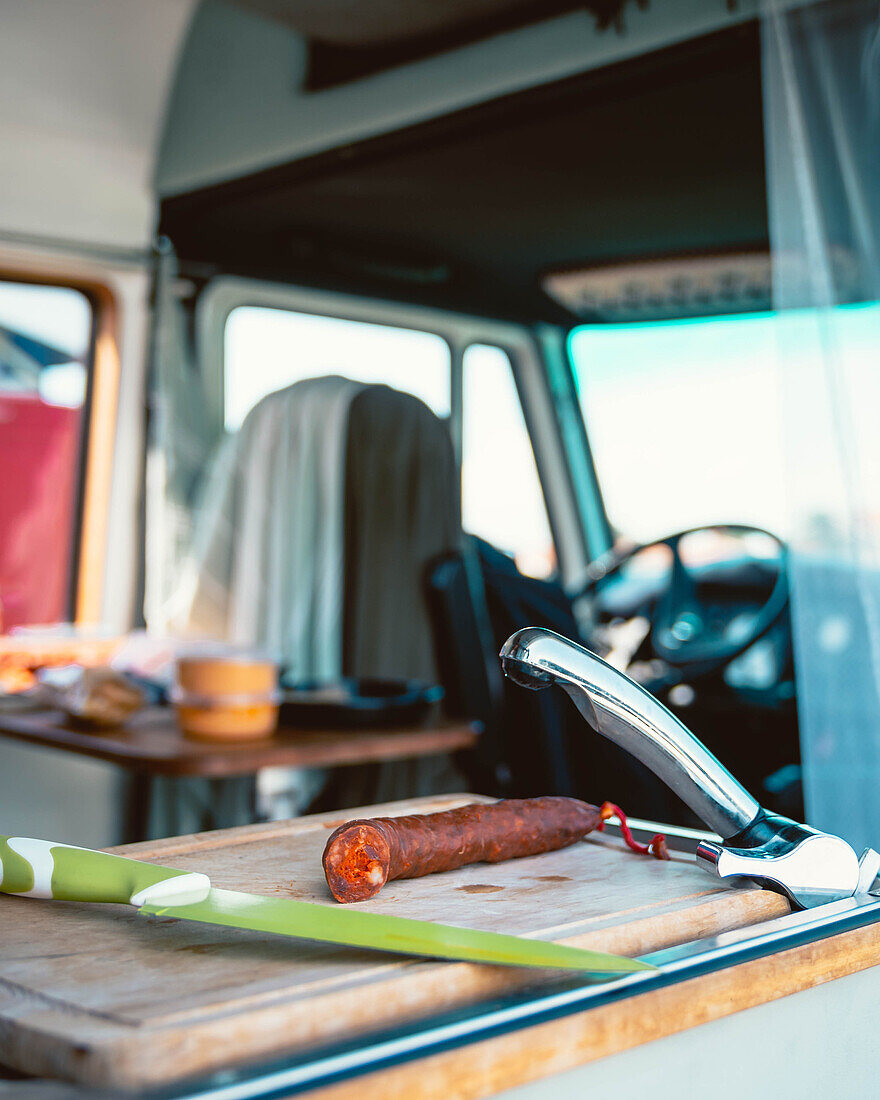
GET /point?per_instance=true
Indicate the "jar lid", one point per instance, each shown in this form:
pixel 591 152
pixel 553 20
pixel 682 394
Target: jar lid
pixel 219 699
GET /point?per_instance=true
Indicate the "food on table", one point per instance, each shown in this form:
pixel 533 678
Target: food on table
pixel 27 650
pixel 226 695
pixel 15 681
pixel 362 855
pixel 226 672
pixel 97 696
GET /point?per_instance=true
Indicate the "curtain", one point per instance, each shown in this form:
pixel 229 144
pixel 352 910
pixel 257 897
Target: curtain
pixel 181 441
pixel 821 76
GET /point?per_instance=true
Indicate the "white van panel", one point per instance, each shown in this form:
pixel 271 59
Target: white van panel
pixel 83 84
pixel 238 103
pixel 812 1044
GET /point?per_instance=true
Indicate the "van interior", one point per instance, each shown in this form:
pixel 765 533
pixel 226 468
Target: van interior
pixel 365 335
pixel 367 368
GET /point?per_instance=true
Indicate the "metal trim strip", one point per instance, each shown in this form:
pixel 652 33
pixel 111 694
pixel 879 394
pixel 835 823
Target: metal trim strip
pixel 478 1023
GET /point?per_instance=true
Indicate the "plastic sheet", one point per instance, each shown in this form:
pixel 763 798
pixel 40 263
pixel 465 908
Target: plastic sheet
pixel 821 71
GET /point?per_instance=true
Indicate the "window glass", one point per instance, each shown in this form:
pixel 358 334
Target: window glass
pixel 45 335
pixel 268 349
pixel 684 422
pixel 502 500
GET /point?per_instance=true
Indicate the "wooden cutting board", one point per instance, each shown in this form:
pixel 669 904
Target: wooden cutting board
pixel 100 995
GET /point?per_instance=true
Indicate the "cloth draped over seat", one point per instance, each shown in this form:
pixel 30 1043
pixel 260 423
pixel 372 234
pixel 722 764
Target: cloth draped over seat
pixel 402 510
pixel 267 567
pixel 318 522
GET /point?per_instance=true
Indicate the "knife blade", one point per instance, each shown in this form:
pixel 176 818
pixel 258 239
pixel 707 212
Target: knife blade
pixel 43 869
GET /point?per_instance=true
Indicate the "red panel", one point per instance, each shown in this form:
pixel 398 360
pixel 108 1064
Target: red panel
pixel 39 460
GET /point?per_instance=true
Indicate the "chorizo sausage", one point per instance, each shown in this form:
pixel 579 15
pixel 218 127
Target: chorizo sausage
pixel 361 856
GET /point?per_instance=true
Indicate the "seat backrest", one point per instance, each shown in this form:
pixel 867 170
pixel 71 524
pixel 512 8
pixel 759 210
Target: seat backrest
pixel 402 510
pixel 320 517
pixel 522 751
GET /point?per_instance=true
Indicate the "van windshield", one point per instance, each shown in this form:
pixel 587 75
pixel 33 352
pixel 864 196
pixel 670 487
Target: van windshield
pixel 687 423
pixel 683 420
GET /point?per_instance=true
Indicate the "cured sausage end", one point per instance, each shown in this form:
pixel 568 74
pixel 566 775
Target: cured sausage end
pixel 356 861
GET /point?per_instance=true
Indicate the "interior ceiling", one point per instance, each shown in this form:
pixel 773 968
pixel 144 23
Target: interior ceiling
pixel 354 23
pixel 658 156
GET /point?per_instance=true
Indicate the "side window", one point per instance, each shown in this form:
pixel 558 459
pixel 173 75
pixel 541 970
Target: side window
pixel 45 339
pixel 267 349
pixel 502 500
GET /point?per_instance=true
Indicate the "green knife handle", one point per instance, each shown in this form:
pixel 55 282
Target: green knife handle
pixel 43 869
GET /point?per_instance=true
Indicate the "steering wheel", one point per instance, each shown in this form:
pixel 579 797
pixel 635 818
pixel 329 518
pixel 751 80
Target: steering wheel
pixel 680 632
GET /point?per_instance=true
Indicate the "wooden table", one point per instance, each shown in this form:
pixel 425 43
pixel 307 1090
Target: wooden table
pixel 97 995
pixel 143 1002
pixel 151 745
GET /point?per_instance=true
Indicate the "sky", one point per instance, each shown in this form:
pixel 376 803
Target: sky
pixel 763 418
pixel 266 349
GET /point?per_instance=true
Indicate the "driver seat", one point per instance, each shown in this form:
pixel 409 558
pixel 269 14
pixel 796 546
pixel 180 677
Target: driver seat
pixel 535 742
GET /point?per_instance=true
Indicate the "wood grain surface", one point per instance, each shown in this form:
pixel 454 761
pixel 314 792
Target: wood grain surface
pixel 486 1068
pixel 151 743
pixel 99 995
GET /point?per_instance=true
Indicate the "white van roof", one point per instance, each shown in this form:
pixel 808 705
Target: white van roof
pixel 85 145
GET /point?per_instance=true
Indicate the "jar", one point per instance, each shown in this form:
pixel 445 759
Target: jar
pixel 226 695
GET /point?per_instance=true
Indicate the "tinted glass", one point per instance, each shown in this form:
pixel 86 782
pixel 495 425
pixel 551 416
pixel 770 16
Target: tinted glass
pixel 684 422
pixel 45 335
pixel 267 349
pixel 502 500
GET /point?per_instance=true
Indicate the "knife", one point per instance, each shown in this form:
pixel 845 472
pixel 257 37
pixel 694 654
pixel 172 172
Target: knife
pixel 43 869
